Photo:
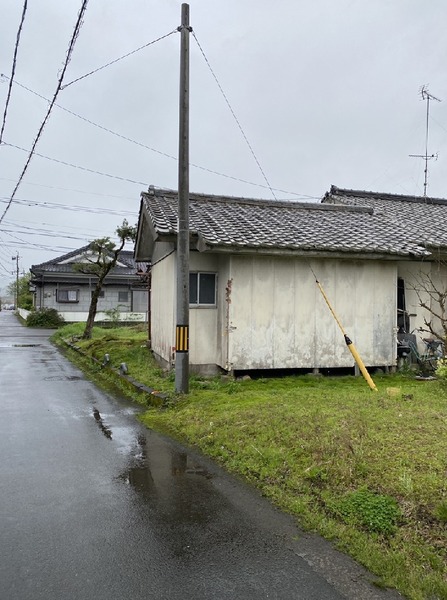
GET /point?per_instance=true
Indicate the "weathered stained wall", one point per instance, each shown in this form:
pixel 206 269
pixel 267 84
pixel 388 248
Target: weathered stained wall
pixel 163 293
pixel 204 341
pixel 278 318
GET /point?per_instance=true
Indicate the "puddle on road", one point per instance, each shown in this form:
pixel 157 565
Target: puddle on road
pixel 3 345
pixel 158 466
pixel 102 426
pixel 64 378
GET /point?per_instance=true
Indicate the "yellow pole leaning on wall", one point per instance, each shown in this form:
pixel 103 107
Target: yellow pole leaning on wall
pixel 348 341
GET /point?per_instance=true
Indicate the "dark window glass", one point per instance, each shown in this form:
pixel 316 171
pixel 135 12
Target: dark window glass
pixel 207 288
pixel 123 296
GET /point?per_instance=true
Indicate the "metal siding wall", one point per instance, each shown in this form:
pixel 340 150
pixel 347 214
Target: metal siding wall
pixel 282 321
pixel 162 307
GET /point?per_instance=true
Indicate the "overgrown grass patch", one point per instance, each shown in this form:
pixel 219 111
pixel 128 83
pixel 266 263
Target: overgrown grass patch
pixel 123 345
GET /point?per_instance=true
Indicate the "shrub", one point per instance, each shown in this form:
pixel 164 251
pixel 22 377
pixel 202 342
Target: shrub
pixel 45 317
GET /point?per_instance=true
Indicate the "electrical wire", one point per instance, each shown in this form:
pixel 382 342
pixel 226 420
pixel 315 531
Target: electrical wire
pixel 39 246
pixel 74 207
pixel 67 164
pixel 69 228
pixel 112 62
pixel 54 187
pixel 13 68
pixel 52 235
pixel 74 37
pixel 161 153
pixel 234 116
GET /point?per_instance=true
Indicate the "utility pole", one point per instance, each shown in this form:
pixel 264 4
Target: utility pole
pixel 425 95
pixel 182 325
pixel 16 258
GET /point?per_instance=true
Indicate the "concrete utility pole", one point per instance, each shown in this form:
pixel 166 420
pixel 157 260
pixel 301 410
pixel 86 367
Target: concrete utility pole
pixel 182 328
pixel 16 258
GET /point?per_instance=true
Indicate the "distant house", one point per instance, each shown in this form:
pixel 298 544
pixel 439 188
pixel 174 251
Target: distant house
pixel 254 303
pixel 56 284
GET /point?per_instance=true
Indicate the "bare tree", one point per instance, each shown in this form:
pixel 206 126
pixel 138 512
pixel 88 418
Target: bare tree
pixel 101 259
pixel 431 292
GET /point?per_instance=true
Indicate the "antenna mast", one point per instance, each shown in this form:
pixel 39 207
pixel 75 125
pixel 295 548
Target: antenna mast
pixel 425 95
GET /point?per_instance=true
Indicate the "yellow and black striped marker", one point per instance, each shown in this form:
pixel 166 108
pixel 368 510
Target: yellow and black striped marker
pixel 182 338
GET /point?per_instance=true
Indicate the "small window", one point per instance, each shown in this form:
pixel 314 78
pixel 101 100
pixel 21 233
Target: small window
pixel 101 294
pixel 123 296
pixel 67 295
pixel 202 289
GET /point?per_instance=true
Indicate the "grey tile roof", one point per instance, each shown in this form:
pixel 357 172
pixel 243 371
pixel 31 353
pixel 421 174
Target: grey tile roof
pixel 241 223
pixel 54 266
pixel 423 220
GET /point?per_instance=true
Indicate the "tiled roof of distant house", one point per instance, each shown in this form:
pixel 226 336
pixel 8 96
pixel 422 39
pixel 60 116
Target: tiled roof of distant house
pixel 64 264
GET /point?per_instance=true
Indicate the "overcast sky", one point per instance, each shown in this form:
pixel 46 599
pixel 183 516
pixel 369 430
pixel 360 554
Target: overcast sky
pixel 327 92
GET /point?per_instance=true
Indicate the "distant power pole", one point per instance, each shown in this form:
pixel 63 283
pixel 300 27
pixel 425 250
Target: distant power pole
pixel 425 95
pixel 182 325
pixel 16 258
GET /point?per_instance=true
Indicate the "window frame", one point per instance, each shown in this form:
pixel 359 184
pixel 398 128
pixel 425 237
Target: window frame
pixel 199 304
pixel 67 291
pixel 123 292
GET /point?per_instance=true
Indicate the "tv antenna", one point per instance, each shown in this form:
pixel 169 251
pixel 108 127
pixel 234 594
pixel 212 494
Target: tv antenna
pixel 426 96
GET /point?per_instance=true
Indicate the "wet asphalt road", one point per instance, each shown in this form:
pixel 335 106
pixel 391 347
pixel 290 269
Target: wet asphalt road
pixel 94 506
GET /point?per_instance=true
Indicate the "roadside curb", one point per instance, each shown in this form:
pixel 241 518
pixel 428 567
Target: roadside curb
pixel 155 398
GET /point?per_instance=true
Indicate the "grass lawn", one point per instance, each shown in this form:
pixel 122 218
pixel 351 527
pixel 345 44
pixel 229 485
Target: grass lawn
pixel 365 469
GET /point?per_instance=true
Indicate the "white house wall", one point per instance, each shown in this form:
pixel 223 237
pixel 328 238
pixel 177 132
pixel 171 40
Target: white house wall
pixel 163 291
pixel 279 319
pixel 46 297
pixel 204 339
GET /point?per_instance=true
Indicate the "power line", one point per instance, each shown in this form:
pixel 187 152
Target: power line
pixel 40 233
pixel 161 153
pixel 39 246
pixel 50 108
pixel 112 62
pixel 54 187
pixel 67 164
pixel 13 68
pixel 234 116
pixel 71 228
pixel 74 207
pixel 24 243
